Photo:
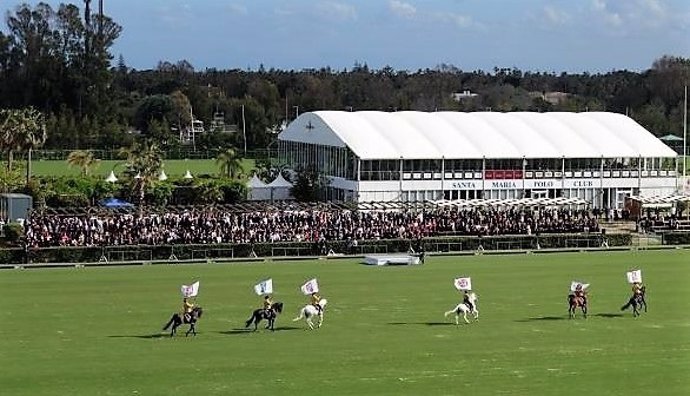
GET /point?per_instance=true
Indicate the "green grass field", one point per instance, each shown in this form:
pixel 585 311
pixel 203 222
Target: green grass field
pixel 173 168
pixel 96 331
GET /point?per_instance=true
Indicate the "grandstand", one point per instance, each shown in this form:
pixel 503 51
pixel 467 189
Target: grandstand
pixel 413 156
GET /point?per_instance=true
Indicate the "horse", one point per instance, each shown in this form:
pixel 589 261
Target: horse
pixel 177 320
pixel 636 302
pixel 574 302
pixel 309 311
pixel 268 314
pixel 464 309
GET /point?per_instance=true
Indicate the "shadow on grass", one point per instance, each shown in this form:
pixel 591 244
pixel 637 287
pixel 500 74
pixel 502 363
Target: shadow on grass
pixel 543 318
pixel 259 330
pixel 421 323
pixel 146 336
pixel 609 315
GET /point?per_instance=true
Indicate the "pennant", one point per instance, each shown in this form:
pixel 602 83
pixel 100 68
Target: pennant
pixel 191 290
pixel 574 284
pixel 264 287
pixel 634 276
pixel 463 283
pixel 312 286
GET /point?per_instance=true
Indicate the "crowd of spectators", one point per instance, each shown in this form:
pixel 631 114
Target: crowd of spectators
pixel 218 226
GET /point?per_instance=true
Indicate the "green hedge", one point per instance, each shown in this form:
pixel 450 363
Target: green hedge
pixel 211 251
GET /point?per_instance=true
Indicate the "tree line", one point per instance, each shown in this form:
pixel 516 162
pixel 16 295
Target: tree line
pixel 60 63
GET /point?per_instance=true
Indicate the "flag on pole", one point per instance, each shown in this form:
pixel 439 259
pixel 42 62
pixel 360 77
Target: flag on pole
pixel 634 276
pixel 264 287
pixel 312 286
pixel 191 290
pixel 574 284
pixel 463 283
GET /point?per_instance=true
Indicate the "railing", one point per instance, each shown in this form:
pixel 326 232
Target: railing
pixel 147 253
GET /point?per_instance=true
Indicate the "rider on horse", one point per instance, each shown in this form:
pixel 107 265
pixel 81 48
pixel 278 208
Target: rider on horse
pixel 637 289
pixel 187 308
pixel 580 293
pixel 466 300
pixel 315 298
pixel 268 304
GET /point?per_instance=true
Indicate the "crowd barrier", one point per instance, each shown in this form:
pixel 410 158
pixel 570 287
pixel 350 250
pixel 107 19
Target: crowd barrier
pixel 107 254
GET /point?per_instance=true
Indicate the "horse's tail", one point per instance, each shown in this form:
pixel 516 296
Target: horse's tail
pixel 300 316
pixel 249 321
pixel 170 322
pixel 627 305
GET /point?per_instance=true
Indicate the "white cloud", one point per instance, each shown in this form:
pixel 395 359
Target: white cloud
pixel 237 9
pixel 555 16
pixel 402 9
pixel 459 20
pixel 337 10
pixel 635 14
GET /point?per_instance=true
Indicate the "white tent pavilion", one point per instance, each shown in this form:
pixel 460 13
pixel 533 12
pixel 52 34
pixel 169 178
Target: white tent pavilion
pixel 280 189
pixel 258 190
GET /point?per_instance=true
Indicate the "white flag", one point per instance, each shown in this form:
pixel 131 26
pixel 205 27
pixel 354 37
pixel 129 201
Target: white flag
pixel 312 286
pixel 264 287
pixel 191 290
pixel 574 284
pixel 634 276
pixel 463 283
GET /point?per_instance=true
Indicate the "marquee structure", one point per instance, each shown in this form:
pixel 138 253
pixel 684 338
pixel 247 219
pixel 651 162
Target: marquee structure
pixel 411 156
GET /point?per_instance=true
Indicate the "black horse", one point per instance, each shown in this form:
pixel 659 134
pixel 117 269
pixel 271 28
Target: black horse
pixel 268 314
pixel 637 301
pixel 574 302
pixel 177 320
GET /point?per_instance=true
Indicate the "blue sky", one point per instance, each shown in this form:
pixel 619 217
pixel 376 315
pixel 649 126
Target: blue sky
pixel 536 35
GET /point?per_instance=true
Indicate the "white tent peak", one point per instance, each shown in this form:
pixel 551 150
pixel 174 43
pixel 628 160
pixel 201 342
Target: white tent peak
pixel 280 182
pixel 255 182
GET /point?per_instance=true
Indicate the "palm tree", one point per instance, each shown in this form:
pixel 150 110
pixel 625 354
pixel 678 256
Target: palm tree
pixel 144 162
pixel 82 159
pixel 230 163
pixel 22 130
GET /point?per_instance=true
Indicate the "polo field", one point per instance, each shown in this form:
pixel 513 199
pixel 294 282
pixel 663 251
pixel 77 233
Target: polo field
pixel 98 330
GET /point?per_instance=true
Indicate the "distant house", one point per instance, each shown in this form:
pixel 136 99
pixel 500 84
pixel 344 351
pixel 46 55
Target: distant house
pixel 466 94
pixel 553 97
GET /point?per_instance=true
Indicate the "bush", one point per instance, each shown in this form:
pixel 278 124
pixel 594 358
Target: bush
pixel 13 232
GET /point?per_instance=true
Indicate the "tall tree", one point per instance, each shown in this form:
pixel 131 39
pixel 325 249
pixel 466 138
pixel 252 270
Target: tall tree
pixel 21 130
pixel 230 163
pixel 82 159
pixel 144 163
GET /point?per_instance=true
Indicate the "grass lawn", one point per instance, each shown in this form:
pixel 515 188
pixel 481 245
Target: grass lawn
pixel 172 167
pixel 96 331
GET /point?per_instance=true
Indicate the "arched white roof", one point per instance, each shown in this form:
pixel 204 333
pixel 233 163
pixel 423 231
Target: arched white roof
pixel 421 135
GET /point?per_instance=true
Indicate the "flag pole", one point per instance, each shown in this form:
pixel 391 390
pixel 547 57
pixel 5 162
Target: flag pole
pixel 685 133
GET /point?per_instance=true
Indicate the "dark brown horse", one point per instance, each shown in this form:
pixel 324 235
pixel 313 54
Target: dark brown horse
pixel 269 315
pixel 637 301
pixel 177 320
pixel 574 302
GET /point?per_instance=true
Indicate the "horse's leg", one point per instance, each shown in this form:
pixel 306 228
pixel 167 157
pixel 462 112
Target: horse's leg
pixel 464 316
pixel 584 310
pixel 320 320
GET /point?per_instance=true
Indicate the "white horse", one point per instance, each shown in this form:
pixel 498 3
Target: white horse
pixel 309 312
pixel 464 309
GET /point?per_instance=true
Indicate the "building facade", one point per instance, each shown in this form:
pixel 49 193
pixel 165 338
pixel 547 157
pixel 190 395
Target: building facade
pixel 417 156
